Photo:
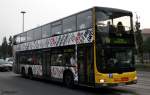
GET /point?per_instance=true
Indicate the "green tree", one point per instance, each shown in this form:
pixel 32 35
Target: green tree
pixel 4 48
pixel 139 41
pixel 10 46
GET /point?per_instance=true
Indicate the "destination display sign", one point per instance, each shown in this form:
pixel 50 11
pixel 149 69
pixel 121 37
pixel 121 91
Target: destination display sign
pixel 119 41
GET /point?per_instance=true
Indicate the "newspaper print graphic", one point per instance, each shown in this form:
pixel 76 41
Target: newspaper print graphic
pixel 84 36
pixel 57 72
pixel 36 69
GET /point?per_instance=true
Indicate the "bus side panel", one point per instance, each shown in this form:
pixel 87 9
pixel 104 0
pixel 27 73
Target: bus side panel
pixel 58 72
pixel 36 69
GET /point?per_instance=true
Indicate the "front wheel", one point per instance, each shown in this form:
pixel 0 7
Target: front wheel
pixel 69 80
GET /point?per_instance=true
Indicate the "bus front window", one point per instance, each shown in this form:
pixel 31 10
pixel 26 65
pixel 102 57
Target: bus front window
pixel 107 21
pixel 115 60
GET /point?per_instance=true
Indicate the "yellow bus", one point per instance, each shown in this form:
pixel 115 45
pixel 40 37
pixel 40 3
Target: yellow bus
pixel 93 48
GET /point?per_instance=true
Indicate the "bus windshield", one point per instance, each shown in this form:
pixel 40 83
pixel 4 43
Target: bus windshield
pixel 115 41
pixel 115 60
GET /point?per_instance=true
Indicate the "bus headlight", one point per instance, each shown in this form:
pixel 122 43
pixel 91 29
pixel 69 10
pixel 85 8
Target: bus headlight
pixel 135 78
pixel 102 80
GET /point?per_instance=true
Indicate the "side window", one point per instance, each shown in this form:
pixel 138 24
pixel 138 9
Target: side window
pixel 56 28
pixel 67 58
pixel 37 58
pixel 84 20
pixel 23 37
pixel 37 33
pixel 23 59
pixel 69 24
pixel 53 59
pixel 29 59
pixel 57 59
pixel 69 54
pixel 16 39
pixel 46 31
pixel 49 59
pixel 30 35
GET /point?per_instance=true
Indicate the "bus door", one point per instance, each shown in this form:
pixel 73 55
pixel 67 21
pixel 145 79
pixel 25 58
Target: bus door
pixel 85 64
pixel 46 64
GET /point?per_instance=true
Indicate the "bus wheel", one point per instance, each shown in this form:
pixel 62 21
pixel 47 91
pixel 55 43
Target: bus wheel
pixel 30 73
pixel 68 79
pixel 23 72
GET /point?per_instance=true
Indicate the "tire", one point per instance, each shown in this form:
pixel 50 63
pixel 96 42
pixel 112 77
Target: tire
pixel 69 80
pixel 30 73
pixel 23 72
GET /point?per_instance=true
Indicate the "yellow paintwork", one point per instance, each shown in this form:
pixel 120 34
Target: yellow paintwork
pixel 116 78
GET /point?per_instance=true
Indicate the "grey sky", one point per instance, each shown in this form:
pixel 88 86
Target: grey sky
pixel 40 12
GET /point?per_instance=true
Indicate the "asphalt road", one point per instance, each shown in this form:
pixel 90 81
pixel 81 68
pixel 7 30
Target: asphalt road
pixel 12 84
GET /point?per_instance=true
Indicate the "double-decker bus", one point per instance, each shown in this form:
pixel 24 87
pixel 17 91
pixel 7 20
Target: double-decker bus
pixel 94 48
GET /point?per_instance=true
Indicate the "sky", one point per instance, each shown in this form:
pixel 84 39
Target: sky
pixel 39 12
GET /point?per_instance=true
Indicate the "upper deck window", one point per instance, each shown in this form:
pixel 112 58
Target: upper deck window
pixel 23 37
pixel 113 21
pixel 84 20
pixel 46 31
pixel 16 39
pixel 37 33
pixel 69 24
pixel 56 28
pixel 30 35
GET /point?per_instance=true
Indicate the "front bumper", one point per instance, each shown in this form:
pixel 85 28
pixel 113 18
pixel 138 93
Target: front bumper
pixel 98 85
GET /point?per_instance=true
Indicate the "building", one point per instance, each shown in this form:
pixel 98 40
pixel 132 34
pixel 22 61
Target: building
pixel 146 34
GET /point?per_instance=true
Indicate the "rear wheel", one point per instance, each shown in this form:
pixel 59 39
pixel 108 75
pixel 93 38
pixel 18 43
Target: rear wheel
pixel 69 80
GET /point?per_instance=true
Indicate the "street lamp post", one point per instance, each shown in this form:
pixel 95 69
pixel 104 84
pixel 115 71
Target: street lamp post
pixel 23 12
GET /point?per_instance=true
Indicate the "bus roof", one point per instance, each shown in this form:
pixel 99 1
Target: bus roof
pixel 113 10
pixel 106 9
